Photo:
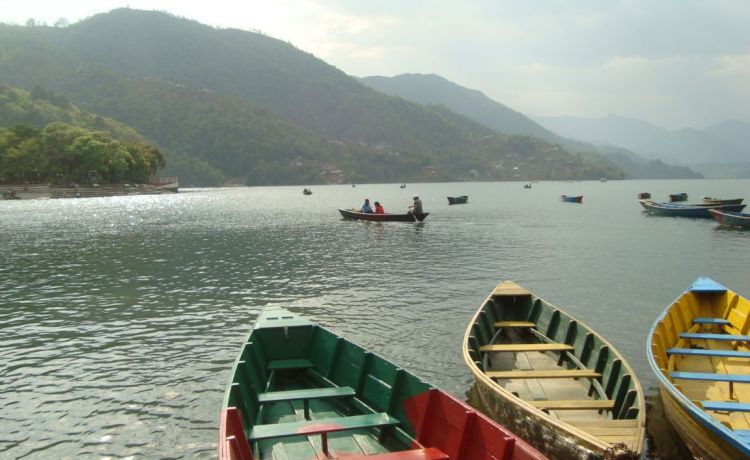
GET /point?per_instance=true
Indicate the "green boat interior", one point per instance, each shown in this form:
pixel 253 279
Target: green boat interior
pixel 320 394
pixel 546 358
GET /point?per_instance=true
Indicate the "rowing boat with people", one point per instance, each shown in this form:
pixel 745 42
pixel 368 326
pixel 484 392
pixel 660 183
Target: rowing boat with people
pixel 386 217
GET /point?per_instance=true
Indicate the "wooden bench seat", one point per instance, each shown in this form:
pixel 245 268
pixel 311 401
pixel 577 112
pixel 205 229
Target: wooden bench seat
pixel 584 404
pixel 521 324
pixel 522 347
pixel 719 321
pixel 322 427
pixel 725 406
pixel 430 453
pixel 725 337
pixel 283 364
pixel 736 378
pixel 629 423
pixel 704 352
pixel 306 395
pixel 543 374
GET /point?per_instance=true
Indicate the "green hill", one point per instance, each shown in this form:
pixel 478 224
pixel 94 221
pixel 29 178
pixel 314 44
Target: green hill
pixel 260 111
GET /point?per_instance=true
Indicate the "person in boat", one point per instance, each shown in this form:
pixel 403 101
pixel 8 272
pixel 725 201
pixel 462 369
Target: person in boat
pixel 379 208
pixel 416 207
pixel 366 207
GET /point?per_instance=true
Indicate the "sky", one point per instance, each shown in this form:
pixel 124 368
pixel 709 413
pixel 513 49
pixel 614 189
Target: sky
pixel 674 63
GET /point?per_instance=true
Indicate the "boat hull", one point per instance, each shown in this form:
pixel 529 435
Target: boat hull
pixel 556 436
pixel 678 197
pixel 680 210
pixel 692 371
pixel 715 201
pixel 408 217
pixel 731 219
pixel 571 199
pixel 458 199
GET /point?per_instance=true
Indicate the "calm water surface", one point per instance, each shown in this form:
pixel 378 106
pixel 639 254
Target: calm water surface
pixel 120 317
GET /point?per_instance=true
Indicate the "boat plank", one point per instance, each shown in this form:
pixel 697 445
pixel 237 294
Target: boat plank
pixel 571 404
pixel 521 324
pixel 430 453
pixel 544 374
pixel 521 347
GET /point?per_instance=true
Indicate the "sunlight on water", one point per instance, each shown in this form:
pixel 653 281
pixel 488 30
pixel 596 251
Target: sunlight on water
pixel 120 317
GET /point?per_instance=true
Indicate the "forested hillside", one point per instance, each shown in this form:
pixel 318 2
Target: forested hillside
pixel 236 106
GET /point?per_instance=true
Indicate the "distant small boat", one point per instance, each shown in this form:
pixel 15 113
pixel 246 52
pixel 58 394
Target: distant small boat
pixel 572 199
pixel 406 217
pixel 686 210
pixel 644 196
pixel 354 185
pixel 603 179
pixel 698 350
pixel 527 186
pixel 731 219
pixel 299 391
pixel 307 191
pixel 458 199
pixel 709 200
pixel 552 379
pixel 403 186
pixel 678 197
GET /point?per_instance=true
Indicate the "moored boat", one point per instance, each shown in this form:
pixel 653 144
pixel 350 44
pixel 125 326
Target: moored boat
pixel 644 196
pixel 298 391
pixel 731 219
pixel 458 199
pixel 387 217
pixel 709 200
pixel 306 191
pixel 571 198
pixel 678 197
pixel 685 210
pixel 551 379
pixel 698 349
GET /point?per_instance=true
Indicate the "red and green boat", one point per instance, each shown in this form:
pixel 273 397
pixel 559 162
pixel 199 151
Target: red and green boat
pixel 299 391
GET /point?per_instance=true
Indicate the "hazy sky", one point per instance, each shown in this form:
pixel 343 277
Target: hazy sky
pixel 675 63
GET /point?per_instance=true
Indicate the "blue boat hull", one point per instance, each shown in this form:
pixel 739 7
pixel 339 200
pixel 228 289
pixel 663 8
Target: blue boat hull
pixel 731 219
pixel 684 210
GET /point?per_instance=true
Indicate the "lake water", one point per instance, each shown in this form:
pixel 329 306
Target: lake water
pixel 120 317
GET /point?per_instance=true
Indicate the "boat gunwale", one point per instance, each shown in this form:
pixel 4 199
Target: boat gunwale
pixel 691 408
pixel 571 429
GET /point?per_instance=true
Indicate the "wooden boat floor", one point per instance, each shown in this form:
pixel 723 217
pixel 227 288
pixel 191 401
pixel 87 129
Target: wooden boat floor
pixel 595 422
pixel 700 390
pixel 353 442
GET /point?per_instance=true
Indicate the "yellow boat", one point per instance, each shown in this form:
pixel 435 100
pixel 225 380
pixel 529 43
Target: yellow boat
pixel 552 380
pixel 698 349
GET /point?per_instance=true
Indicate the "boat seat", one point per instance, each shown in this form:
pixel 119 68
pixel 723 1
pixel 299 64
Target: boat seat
pixel 306 395
pixel 720 321
pixel 521 347
pixel 283 364
pixel 703 352
pixel 725 406
pixel 728 337
pixel 322 427
pixel 584 404
pixel 430 453
pixel 736 378
pixel 520 324
pixel 543 374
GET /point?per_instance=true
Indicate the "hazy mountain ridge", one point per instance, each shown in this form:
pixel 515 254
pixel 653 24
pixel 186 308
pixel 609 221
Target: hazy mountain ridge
pixel 436 90
pixel 726 143
pixel 260 110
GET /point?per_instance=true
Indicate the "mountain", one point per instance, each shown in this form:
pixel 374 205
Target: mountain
pixel 721 144
pixel 436 90
pixel 261 111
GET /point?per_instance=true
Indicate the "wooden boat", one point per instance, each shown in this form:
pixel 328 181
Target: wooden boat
pixel 572 199
pixel 403 186
pixel 552 380
pixel 458 199
pixel 678 197
pixel 298 391
pixel 644 196
pixel 685 210
pixel 698 349
pixel 713 201
pixel 307 191
pixel 731 219
pixel 406 217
